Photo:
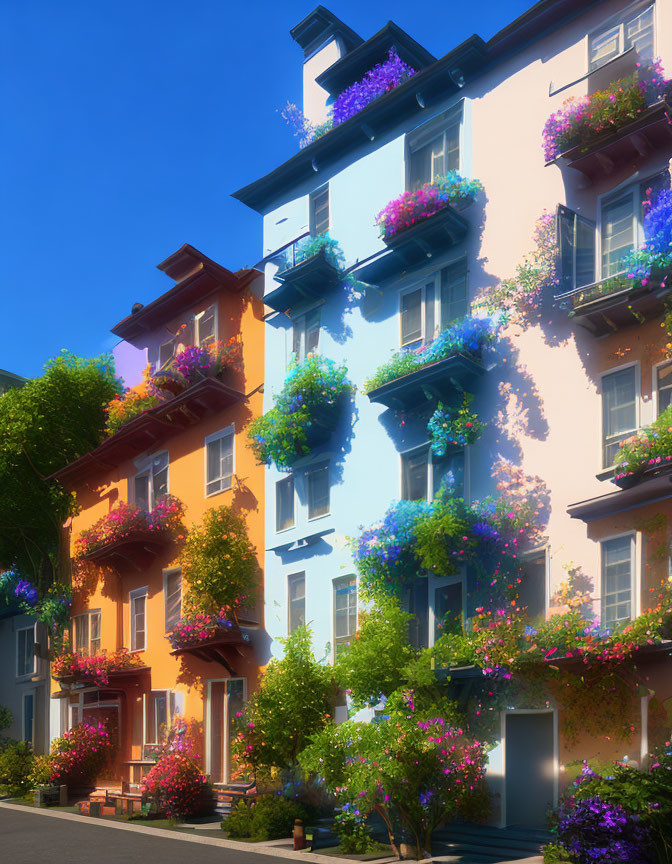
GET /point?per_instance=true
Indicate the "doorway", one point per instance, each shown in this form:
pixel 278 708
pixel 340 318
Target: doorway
pixel 225 698
pixel 530 766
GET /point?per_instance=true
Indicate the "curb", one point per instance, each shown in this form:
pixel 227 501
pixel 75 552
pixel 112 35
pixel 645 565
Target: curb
pixel 269 851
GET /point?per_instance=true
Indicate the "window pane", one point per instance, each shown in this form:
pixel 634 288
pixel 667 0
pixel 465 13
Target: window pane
pixel 639 34
pixel 82 633
pixel 604 46
pixel 284 503
pixel 616 579
pixel 617 234
pixel 298 333
pixel 452 159
pixel 345 610
pixel 206 326
pixel 438 157
pixel 429 311
pixel 138 623
pixel 312 331
pixel 226 448
pixel 94 623
pixel 414 476
pixel 141 491
pixel 664 383
pixel 420 167
pixel 619 411
pixel 318 491
pixel 411 317
pixel 320 212
pixel 532 590
pixel 448 609
pixel 297 600
pixel 448 469
pixel 173 598
pixel 213 463
pixel 166 352
pixel 453 293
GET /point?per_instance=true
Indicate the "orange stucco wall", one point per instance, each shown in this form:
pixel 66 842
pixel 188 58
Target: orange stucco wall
pixel 238 314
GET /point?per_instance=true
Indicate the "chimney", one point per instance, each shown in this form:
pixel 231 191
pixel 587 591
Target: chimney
pixel 324 39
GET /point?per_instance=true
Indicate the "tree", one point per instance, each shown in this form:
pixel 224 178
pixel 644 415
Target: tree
pixel 293 702
pixel 44 425
pixel 414 766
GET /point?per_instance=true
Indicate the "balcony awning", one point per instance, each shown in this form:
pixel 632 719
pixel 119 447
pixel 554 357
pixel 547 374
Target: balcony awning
pixel 648 491
pixel 227 648
pixel 437 380
pixel 310 280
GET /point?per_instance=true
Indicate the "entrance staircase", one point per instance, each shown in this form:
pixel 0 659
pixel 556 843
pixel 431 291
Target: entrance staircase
pixel 482 844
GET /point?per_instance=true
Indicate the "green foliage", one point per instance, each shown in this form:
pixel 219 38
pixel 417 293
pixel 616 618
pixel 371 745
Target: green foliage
pixel 269 817
pixel 353 833
pixel 650 447
pixel 44 425
pixel 372 664
pixel 555 853
pixel 399 364
pixel 16 762
pixel 218 562
pixel 41 772
pixel 6 718
pixel 292 703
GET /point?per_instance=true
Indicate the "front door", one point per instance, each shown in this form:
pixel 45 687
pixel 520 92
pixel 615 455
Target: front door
pixel 530 768
pixel 226 698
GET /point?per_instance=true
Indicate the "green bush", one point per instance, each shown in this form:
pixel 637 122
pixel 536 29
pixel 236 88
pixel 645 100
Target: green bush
pixel 353 833
pixel 41 771
pixel 6 718
pixel 270 817
pixel 555 853
pixel 16 762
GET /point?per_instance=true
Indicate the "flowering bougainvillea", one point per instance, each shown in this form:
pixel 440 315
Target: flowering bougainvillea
pixel 93 669
pixel 468 337
pixel 595 832
pixel 80 754
pixel 651 264
pixel 128 519
pixel 198 628
pixel 584 121
pixel 518 299
pixel 413 207
pixel 311 399
pixel 454 426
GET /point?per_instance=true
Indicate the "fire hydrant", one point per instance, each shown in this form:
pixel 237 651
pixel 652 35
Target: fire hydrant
pixel 299 835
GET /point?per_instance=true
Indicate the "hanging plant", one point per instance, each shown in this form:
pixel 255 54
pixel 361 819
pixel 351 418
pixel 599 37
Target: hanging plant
pixel 454 427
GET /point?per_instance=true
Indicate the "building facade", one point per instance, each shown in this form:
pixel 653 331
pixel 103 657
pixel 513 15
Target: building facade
pixel 128 590
pixel 558 394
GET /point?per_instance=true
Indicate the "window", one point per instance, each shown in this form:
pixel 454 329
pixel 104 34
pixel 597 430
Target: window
pixel 618 230
pixel 166 352
pixel 152 482
pixel 219 461
pixel 206 326
pixel 317 486
pixel 25 651
pixel 634 30
pixel 161 710
pixel 423 474
pixel 447 607
pixel 345 611
pixel 433 306
pixel 319 211
pixel 434 149
pixel 296 600
pixel 664 386
pixel 619 411
pixel 172 590
pixel 532 589
pixel 138 604
pixel 576 238
pixel 306 334
pixel 284 503
pixel 87 632
pixel 29 717
pixel 617 573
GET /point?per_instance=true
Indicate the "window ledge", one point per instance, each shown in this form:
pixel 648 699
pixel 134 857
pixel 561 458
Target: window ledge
pixel 300 542
pixel 606 474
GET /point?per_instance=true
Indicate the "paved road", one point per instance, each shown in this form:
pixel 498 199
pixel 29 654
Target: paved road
pixel 29 838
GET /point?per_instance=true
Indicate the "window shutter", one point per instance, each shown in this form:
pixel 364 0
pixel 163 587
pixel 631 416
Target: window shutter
pixel 576 241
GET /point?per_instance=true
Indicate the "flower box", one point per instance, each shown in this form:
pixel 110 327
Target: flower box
pixel 439 380
pixel 82 669
pixel 662 468
pixel 222 646
pixel 650 131
pixel 310 279
pixel 429 236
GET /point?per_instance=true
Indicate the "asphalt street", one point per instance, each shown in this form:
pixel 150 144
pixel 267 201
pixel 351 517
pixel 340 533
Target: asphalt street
pixel 30 838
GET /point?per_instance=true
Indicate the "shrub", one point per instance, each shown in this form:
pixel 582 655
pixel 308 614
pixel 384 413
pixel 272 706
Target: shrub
pixel 269 817
pixel 353 832
pixel 595 832
pixel 454 426
pixel 16 762
pixel 413 207
pixel 80 754
pixel 239 822
pixel 311 397
pixel 41 771
pixel 176 786
pixel 6 718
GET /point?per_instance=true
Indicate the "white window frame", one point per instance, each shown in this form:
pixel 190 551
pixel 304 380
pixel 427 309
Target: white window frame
pixel 293 577
pixel 430 130
pixel 334 581
pixel 89 613
pixel 132 596
pixel 144 466
pixel 21 675
pixel 229 431
pixel 638 227
pixel 434 584
pixel 170 571
pixel 619 20
pixel 277 482
pixel 654 387
pixel 150 708
pixel 310 469
pixel 420 283
pixel 32 694
pixel 638 408
pixel 197 318
pixel 299 321
pixel 430 469
pixel 635 574
pixel 311 208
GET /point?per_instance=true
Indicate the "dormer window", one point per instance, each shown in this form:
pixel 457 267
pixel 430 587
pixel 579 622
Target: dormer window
pixel 634 29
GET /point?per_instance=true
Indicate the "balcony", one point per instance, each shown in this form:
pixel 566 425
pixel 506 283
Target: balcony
pixel 651 131
pixel 616 302
pixel 83 670
pixel 415 245
pixel 310 279
pixel 435 381
pixel 226 647
pixel 136 549
pixel 651 486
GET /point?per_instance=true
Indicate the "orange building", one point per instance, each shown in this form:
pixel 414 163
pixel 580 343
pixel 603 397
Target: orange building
pixel 191 446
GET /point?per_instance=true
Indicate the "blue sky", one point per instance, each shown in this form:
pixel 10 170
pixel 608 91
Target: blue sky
pixel 126 126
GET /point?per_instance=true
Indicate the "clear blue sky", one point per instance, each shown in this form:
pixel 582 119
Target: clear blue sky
pixel 125 127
